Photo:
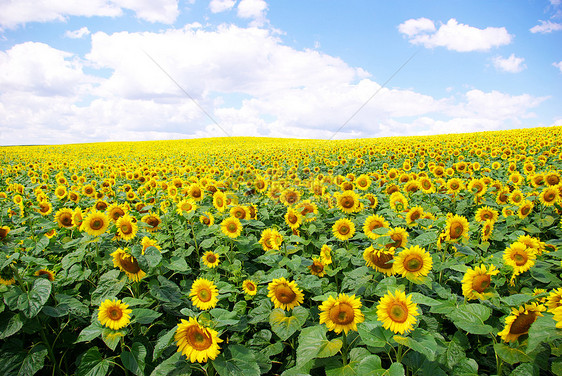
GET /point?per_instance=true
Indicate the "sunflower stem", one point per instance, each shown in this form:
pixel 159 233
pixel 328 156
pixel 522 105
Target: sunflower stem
pixel 49 348
pixel 399 354
pixel 344 349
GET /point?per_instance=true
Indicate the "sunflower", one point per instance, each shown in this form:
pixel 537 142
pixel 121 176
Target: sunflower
pixel 342 313
pixel 554 299
pixel 45 208
pixel 231 227
pixel 519 257
pixel 552 178
pixel 60 192
pixel 293 218
pixel 343 229
pixel 152 220
pixel 317 267
pixel 271 239
pixel 6 277
pixel 114 314
pixel 413 215
pixel 476 282
pixel 477 187
pixel 380 259
pixel 413 262
pixel 95 223
pixel 454 186
pixel 250 287
pixel 290 196
pixel 457 228
pixel 326 254
pixel 398 202
pixel 147 242
pixel 126 227
pixel 426 185
pixel 51 233
pixel 77 217
pixel 487 230
pixel 197 342
pixel 50 275
pixel 211 259
pixel 284 294
pixel 502 196
pixel 558 317
pixel 348 202
pixel 486 213
pixel 204 294
pixel 185 206
pixel 307 207
pixel 115 211
pixel 399 238
pixel 260 184
pixel 525 209
pixel 196 192
pixel 63 217
pixel 372 223
pixel 549 196
pixel 127 263
pixel 240 212
pixel 516 197
pixel 397 312
pixel 4 230
pixel 520 320
pixel 373 200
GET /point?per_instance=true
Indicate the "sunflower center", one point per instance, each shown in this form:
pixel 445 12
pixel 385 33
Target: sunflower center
pixel 154 222
pixel 204 295
pixel 198 339
pixel 382 260
pixel 96 224
pixel 456 230
pixel 117 213
pixel 397 312
pixel 455 186
pixel 342 314
pixel 220 202
pixel 231 227
pixel 3 233
pixel 285 294
pixel 522 323
pixel 487 215
pixel 211 258
pixel 481 282
pixel 426 184
pixel 520 258
pixel 126 229
pixel 196 193
pixel 549 196
pixel 44 208
pixel 525 210
pixel 115 313
pixel 66 220
pixel 130 264
pixel 292 218
pixel 348 202
pixel 206 221
pixel 317 267
pixel 413 263
pixel 291 197
pixel 415 216
pixel 250 287
pixel 343 229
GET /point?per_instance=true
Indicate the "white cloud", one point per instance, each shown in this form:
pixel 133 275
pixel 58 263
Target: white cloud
pixel 416 26
pixel 15 13
pixel 511 64
pixel 218 6
pixel 77 34
pixel 558 65
pixel 254 9
pixel 546 27
pixel 454 36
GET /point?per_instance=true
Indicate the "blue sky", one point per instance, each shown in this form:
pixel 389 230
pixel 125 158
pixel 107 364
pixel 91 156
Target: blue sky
pixel 88 71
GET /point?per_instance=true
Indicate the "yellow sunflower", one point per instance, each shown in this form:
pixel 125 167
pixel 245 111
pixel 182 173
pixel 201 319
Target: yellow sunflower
pixel 250 287
pixel 348 202
pixel 343 229
pixel 211 259
pixel 152 220
pixel 307 207
pixel 457 228
pixel 147 242
pixel 95 223
pixel 271 239
pixel 4 231
pixel 45 207
pixel 397 312
pixel 519 257
pixel 525 209
pixel 476 282
pixel 399 238
pixel 207 219
pixel 558 317
pixel 413 215
pixel 398 202
pixel 326 254
pixel 290 196
pixel 342 313
pixel 240 212
pixel 284 294
pixel 115 211
pixel 293 218
pixel 486 213
pixel 219 201
pixel 382 260
pixel 554 299
pixel 6 277
pixel 373 200
pixel 487 230
pixel 196 192
pixel 413 262
pixel 185 206
pixel 204 294
pixel 114 314
pixel 46 272
pixel 231 227
pixel 372 223
pixel 126 227
pixel 197 342
pixel 520 320
pixel 63 217
pixel 363 182
pixel 127 263
pixel 317 267
pixel 549 196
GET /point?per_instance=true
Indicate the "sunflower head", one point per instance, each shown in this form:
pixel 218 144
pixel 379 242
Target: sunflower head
pixel 476 282
pixel 250 287
pixel 413 262
pixel 210 259
pixel 382 260
pixel 457 228
pixel 127 263
pixel 231 227
pixel 114 314
pixel 520 321
pixel 342 313
pixel 284 294
pixel 397 312
pixel 343 229
pixel 126 227
pixel 317 267
pixel 204 294
pixel 95 223
pixel 196 342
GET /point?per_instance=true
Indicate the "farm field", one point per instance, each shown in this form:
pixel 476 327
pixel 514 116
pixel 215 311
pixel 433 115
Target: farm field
pixel 435 255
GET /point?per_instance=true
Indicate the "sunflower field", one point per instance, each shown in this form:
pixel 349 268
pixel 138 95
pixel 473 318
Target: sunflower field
pixel 435 255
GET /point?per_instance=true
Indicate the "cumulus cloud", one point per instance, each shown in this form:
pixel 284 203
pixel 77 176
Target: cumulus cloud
pixel 558 65
pixel 453 35
pixel 15 13
pixel 77 34
pixel 218 6
pixel 510 64
pixel 546 27
pixel 254 9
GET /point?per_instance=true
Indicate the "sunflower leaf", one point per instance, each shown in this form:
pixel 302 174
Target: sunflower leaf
pixel 237 360
pixel 92 364
pixel 34 361
pixel 134 360
pixel 10 326
pixel 109 285
pixel 542 330
pixel 284 326
pixel 35 299
pixel 510 355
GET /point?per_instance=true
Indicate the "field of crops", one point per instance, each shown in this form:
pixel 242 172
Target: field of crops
pixel 247 256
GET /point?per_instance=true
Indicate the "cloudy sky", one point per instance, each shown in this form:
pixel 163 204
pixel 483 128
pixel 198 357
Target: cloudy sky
pixel 114 70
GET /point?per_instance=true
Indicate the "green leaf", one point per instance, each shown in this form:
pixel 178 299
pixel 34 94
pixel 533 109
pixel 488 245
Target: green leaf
pixel 285 326
pixel 36 298
pixel 145 316
pixel 177 264
pixel 471 318
pixel 313 343
pixel 41 244
pixel 207 243
pixel 422 299
pixel 395 369
pixel 152 256
pixel 168 366
pixel 109 286
pixel 92 364
pixel 134 360
pixel 34 361
pixel 420 341
pixel 373 334
pixel 542 330
pixel 370 365
pixel 92 331
pixel 516 300
pixel 166 291
pixel 163 342
pixel 235 361
pixel 112 337
pixel 526 369
pixel 10 325
pixel 224 317
pixel 425 239
pixel 510 355
pixel 455 350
